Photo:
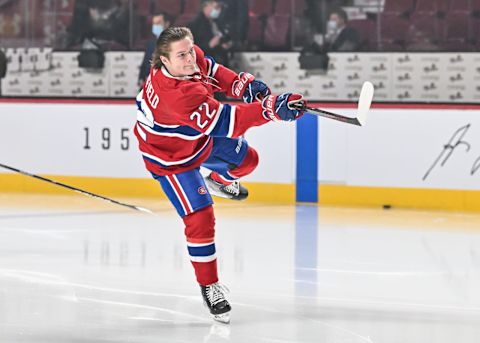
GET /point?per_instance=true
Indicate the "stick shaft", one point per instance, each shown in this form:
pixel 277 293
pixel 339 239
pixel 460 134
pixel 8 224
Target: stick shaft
pixel 331 115
pixel 75 189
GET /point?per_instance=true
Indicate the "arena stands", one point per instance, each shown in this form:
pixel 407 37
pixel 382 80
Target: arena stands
pixel 410 25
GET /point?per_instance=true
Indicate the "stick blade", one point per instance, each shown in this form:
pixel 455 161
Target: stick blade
pixel 364 102
pixel 146 210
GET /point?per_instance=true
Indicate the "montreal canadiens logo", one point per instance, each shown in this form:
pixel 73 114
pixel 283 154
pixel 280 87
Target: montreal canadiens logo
pixel 202 190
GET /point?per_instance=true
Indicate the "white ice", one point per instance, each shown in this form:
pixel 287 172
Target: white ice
pixel 75 270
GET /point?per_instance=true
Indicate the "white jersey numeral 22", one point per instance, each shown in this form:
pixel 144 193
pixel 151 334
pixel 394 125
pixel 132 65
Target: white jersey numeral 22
pixel 199 116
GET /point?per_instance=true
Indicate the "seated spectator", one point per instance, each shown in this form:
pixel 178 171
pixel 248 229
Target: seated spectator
pixel 101 23
pixel 208 34
pixel 317 9
pixel 339 36
pixel 160 22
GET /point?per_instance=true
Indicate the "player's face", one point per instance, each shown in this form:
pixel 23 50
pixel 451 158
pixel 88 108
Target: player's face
pixel 182 61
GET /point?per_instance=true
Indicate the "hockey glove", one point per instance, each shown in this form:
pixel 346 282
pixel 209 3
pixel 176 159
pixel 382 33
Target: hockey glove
pixel 283 107
pixel 255 90
pixel 249 89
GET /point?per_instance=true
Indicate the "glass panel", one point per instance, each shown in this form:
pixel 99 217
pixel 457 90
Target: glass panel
pixel 253 25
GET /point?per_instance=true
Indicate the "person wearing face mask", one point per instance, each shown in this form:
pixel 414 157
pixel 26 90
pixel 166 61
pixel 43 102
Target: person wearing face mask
pixel 339 36
pixel 211 37
pixel 160 22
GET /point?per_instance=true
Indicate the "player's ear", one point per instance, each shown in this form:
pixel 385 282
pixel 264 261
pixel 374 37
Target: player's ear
pixel 164 59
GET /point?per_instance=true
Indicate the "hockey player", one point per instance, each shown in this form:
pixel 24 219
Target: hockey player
pixel 180 127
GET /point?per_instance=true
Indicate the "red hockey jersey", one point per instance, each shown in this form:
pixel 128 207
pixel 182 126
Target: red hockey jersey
pixel 178 116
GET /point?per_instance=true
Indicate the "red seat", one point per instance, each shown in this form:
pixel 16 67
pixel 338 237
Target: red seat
pixel 276 31
pixel 475 29
pixel 475 5
pixel 284 7
pixel 399 7
pixel 191 6
pixel 460 6
pixel 172 7
pixel 391 46
pixel 367 30
pixel 393 30
pixel 457 31
pixel 262 7
pixel 184 19
pixel 255 30
pixel 432 6
pixel 142 7
pixel 301 33
pixel 426 25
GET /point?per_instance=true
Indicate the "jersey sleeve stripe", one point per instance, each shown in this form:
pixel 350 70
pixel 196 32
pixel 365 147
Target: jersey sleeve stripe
pixel 215 119
pixel 143 108
pixel 214 69
pixel 141 132
pixel 231 125
pixel 224 126
pixel 141 118
pixel 166 126
pixel 209 65
pixel 212 66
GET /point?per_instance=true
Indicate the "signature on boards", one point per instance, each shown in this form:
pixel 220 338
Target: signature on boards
pixel 457 143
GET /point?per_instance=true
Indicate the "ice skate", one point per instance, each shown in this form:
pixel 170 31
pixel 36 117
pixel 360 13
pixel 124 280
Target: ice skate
pixel 234 191
pixel 214 298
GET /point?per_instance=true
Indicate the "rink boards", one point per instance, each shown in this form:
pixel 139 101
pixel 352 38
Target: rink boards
pixel 407 155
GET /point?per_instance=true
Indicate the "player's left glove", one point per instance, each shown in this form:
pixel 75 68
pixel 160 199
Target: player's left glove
pixel 255 91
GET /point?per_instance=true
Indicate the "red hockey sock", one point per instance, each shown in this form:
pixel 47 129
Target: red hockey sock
pixel 219 179
pixel 206 273
pixel 248 165
pixel 200 233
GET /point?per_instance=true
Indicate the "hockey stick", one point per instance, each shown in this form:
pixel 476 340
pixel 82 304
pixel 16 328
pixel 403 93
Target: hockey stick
pixel 364 102
pixel 133 207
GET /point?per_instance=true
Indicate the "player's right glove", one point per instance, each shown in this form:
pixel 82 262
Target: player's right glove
pixel 249 89
pixel 283 107
pixel 255 90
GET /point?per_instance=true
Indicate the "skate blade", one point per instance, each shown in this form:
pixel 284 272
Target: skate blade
pixel 222 318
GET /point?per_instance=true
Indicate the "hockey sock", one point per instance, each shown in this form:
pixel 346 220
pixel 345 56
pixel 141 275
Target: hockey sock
pixel 200 233
pixel 248 165
pixel 217 178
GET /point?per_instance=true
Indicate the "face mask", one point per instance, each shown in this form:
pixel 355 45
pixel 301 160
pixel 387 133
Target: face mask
pixel 215 13
pixel 157 30
pixel 332 26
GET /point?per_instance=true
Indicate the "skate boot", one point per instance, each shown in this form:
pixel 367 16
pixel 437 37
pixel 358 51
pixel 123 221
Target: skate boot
pixel 233 191
pixel 214 298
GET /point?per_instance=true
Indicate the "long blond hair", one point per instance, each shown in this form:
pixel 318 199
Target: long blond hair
pixel 168 36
